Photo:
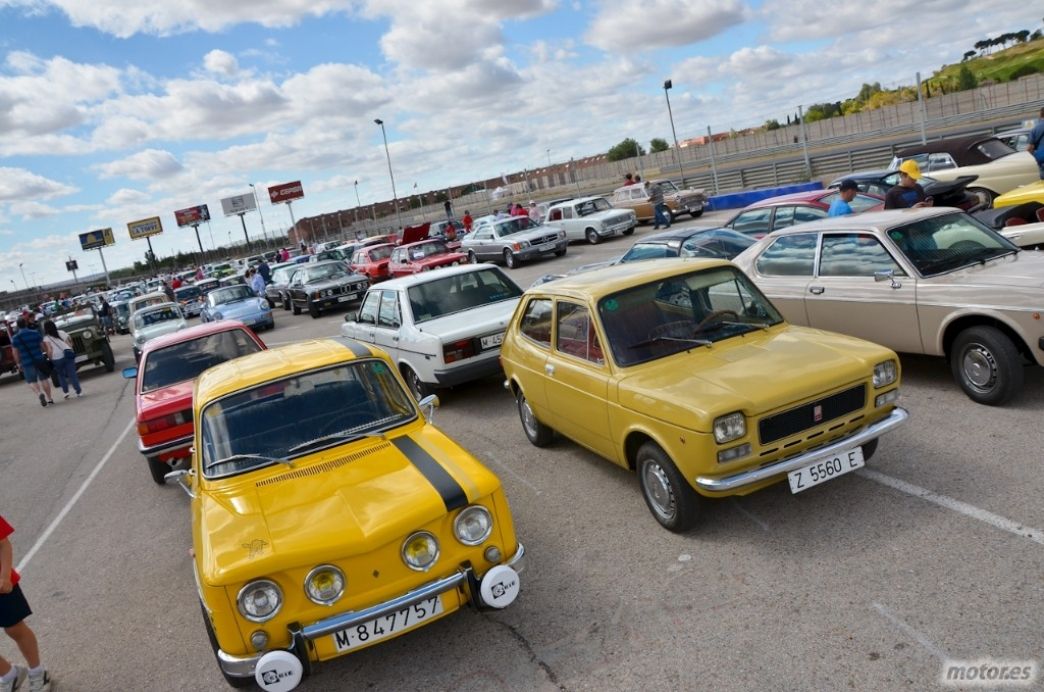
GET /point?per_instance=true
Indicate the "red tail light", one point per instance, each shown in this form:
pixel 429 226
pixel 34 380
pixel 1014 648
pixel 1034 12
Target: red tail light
pixel 163 423
pixel 458 350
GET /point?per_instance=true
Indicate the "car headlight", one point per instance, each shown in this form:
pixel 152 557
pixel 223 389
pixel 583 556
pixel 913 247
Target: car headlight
pixel 473 525
pixel 730 427
pixel 885 374
pixel 325 584
pixel 420 551
pixel 217 316
pixel 260 600
pixel 88 334
pixel 263 305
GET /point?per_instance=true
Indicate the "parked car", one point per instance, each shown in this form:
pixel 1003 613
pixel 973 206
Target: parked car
pixel 949 193
pixel 999 168
pixel 330 254
pixel 276 290
pixel 440 328
pixel 1022 224
pixel 238 303
pixel 153 321
pixel 689 201
pixel 931 281
pixel 1034 192
pixel 372 261
pixel 8 364
pixel 191 300
pixel 1018 138
pixel 121 316
pixel 514 240
pixel 591 219
pixel 316 287
pixel 147 299
pixel 685 373
pixel 89 340
pixel 422 256
pixel 163 387
pixel 329 514
pixel 771 214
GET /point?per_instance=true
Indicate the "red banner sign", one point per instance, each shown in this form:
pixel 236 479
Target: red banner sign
pixel 285 192
pixel 192 216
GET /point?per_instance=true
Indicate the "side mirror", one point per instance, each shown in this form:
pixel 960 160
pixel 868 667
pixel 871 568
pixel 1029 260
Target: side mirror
pixel 885 275
pixel 182 477
pixel 129 373
pixel 428 404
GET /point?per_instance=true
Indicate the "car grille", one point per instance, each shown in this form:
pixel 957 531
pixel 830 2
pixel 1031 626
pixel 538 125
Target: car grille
pixel 77 342
pixel 553 238
pixel 811 414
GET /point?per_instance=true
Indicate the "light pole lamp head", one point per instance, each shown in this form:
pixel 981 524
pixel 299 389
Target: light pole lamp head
pixel 667 84
pixel 378 121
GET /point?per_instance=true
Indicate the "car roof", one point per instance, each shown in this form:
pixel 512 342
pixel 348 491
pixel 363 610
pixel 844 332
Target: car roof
pixel 156 308
pixel 954 145
pixel 193 332
pixel 423 277
pixel 677 234
pixel 422 242
pixel 601 282
pixel 803 196
pixel 263 366
pixel 868 220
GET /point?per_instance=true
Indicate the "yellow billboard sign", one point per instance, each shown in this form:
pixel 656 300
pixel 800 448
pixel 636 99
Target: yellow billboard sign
pixel 145 227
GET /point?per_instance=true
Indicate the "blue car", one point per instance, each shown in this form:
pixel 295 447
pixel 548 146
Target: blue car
pixel 239 303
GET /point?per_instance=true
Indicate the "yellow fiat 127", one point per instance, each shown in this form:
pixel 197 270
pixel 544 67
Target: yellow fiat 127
pixel 329 514
pixel 684 372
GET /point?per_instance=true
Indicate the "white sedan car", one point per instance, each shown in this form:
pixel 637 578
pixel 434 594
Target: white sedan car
pixel 155 320
pixel 443 327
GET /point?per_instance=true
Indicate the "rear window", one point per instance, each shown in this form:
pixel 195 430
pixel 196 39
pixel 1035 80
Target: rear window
pixel 994 149
pixel 450 294
pixel 185 361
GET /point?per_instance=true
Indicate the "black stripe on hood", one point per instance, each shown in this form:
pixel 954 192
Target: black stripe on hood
pixel 453 496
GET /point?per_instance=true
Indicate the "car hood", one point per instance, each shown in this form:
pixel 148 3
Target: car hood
pixel 334 283
pixel 350 501
pixel 459 325
pixel 238 307
pixel 159 402
pixel 755 373
pixel 76 325
pixel 154 330
pixel 412 234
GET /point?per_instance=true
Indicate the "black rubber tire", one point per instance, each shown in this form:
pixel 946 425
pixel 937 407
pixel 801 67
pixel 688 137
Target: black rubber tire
pixel 271 303
pixel 696 214
pixel 108 359
pixel 592 236
pixel 560 253
pixel 509 259
pixel 985 196
pixel 286 302
pixel 472 257
pixel 538 434
pixel 989 349
pixel 869 449
pixel 630 231
pixel 674 504
pixel 418 388
pixel 293 306
pixel 158 469
pixel 238 683
pixel 314 311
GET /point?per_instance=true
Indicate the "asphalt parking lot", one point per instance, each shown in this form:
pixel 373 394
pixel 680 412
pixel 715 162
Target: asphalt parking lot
pixel 870 582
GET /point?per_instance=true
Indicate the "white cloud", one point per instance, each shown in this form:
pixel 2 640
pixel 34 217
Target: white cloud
pixel 33 210
pixel 149 164
pixel 20 185
pixel 624 25
pixel 127 196
pixel 220 62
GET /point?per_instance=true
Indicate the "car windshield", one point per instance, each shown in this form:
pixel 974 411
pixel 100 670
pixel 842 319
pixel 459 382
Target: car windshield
pixel 380 253
pixel 186 360
pixel 644 251
pixel 592 206
pixel 282 275
pixel 664 317
pixel 668 187
pixel 146 318
pixel 943 243
pixel 323 272
pixel 427 249
pixel 515 225
pixel 229 294
pixel 187 293
pixel 458 292
pixel 279 420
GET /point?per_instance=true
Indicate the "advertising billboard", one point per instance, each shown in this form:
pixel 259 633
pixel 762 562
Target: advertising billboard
pixel 92 240
pixel 145 227
pixel 285 192
pixel 71 266
pixel 238 204
pixel 192 216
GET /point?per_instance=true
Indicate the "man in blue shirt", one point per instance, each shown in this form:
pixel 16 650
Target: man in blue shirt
pixel 1036 143
pixel 841 206
pixel 27 342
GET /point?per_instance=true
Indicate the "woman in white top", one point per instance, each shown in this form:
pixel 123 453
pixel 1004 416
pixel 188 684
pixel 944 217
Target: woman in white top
pixel 60 350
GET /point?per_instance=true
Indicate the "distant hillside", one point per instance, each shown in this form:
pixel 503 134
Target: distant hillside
pixel 1004 65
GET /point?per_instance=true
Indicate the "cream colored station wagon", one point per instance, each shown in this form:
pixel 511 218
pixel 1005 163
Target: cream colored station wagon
pixel 932 281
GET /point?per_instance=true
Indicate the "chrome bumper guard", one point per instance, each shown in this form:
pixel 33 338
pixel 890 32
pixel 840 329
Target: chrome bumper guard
pixel 897 417
pixel 244 666
pixel 167 446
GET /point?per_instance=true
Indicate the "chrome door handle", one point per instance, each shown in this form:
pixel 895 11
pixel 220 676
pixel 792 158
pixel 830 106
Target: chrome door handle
pixel 549 369
pixel 816 290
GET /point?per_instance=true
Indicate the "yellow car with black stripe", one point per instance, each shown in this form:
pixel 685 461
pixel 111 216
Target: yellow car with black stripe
pixel 329 514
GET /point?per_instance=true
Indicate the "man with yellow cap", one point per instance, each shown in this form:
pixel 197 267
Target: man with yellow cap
pixel 908 193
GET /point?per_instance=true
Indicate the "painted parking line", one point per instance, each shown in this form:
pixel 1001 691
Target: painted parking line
pixel 985 516
pixel 74 499
pixel 922 639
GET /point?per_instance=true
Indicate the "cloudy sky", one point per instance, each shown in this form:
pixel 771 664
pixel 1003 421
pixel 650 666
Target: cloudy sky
pixel 116 110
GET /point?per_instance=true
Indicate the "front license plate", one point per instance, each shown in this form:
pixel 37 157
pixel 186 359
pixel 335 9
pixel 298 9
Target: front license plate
pixel 387 625
pixel 492 340
pixel 546 247
pixel 826 469
pixel 345 299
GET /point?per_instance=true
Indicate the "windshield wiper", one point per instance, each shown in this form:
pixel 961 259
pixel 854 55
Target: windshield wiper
pixel 350 433
pixel 654 339
pixel 717 324
pixel 240 457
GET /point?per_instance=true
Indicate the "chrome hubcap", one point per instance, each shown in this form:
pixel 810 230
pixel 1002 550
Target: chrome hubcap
pixel 529 421
pixel 980 368
pixel 658 490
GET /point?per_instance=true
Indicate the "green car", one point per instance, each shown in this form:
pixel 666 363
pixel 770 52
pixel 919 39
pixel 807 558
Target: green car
pixel 89 340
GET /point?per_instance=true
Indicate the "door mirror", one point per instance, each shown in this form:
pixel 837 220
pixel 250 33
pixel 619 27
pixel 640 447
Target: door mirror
pixel 129 373
pixel 428 404
pixel 182 477
pixel 885 275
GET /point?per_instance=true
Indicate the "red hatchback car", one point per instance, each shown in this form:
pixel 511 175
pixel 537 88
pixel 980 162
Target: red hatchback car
pixel 422 256
pixel 164 380
pixel 764 216
pixel 372 261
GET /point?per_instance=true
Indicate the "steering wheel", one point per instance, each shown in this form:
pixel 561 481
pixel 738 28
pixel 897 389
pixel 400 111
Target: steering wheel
pixel 966 245
pixel 679 329
pixel 716 315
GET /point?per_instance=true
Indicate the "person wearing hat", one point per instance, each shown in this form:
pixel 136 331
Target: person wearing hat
pixel 842 204
pixel 908 193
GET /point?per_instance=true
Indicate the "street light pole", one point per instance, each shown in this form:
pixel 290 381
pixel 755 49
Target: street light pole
pixel 358 202
pixel 21 268
pixel 667 85
pixel 258 205
pixel 549 158
pixel 387 154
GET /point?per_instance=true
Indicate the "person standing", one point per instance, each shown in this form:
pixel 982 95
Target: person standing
pixel 105 313
pixel 265 271
pixel 28 352
pixel 467 221
pixel 520 211
pixel 167 290
pixel 534 211
pixel 908 193
pixel 199 273
pixel 655 193
pixel 1036 143
pixel 175 283
pixel 448 207
pixel 14 609
pixel 257 282
pixel 628 179
pixel 63 357
pixel 842 204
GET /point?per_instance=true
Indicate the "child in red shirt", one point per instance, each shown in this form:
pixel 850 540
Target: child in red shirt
pixel 14 609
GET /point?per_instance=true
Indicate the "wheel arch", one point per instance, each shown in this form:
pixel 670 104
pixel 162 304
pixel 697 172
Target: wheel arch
pixel 959 323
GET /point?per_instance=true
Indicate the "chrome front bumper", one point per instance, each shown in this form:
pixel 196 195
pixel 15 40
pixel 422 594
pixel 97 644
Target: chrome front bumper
pixel 897 417
pixel 167 446
pixel 244 666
